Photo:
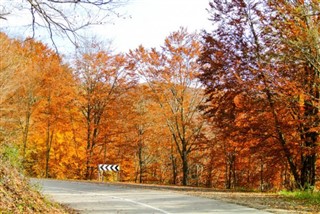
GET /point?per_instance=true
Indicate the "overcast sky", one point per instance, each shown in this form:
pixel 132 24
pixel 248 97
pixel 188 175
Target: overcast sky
pixel 147 22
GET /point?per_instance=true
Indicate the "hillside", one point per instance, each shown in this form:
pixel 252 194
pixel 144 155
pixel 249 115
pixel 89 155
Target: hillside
pixel 16 195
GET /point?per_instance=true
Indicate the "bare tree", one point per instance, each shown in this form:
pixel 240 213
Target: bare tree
pixel 62 17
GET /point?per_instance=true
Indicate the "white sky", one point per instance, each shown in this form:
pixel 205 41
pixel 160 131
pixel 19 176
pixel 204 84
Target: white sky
pixel 148 22
pixel 153 20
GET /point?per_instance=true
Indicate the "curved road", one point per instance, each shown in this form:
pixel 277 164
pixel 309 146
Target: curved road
pixel 107 198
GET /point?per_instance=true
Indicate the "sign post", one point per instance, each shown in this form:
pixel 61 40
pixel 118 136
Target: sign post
pixel 107 167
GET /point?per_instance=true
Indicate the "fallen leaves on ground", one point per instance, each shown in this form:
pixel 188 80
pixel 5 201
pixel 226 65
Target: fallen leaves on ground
pixel 16 195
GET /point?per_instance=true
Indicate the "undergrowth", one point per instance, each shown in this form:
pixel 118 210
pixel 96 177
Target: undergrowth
pixel 308 196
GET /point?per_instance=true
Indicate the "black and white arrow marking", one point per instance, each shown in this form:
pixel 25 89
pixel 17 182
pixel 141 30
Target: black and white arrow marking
pixel 108 167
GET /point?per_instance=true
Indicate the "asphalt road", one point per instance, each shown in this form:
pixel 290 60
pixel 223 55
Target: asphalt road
pixel 106 198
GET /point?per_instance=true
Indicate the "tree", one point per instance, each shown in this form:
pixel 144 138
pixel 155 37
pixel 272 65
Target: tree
pixel 144 126
pixel 40 99
pixel 141 126
pixel 53 93
pixel 298 33
pixel 62 17
pixel 102 79
pixel 255 69
pixel 9 70
pixel 171 76
pixel 25 98
pixel 33 107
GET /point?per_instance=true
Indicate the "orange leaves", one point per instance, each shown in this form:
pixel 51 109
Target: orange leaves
pixel 262 74
pixel 238 100
pixel 171 77
pixel 72 120
pixel 262 105
pixel 103 80
pixel 175 63
pixel 42 90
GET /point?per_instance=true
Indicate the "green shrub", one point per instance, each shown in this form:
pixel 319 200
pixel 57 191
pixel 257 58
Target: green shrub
pixel 10 153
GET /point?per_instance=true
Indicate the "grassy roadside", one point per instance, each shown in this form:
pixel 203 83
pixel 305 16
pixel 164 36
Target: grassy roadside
pixel 308 197
pixel 273 202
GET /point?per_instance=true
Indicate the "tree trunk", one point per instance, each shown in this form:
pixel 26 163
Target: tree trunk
pixel 310 138
pixel 228 175
pixel 185 168
pixel 48 149
pixel 88 154
pixel 261 175
pixel 281 136
pixel 174 168
pixel 209 171
pixel 234 175
pixel 25 135
pixel 49 137
pixel 308 162
pixel 88 175
pixel 140 164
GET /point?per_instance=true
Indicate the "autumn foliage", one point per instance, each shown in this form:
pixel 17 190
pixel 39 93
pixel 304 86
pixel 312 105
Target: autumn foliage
pixel 237 107
pixel 261 72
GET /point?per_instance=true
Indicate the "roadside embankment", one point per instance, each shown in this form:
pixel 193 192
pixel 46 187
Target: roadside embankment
pixel 17 196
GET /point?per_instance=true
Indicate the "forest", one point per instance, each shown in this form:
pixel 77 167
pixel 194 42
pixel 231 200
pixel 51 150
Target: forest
pixel 234 108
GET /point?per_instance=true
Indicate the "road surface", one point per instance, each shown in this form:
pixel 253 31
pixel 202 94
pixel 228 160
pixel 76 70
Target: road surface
pixel 107 199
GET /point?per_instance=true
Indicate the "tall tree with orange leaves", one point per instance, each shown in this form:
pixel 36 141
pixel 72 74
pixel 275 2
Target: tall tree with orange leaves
pixel 54 98
pixel 171 76
pixel 102 78
pixel 35 103
pixel 10 66
pixel 46 98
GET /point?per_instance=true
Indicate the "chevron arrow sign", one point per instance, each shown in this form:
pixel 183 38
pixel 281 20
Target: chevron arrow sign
pixel 108 167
